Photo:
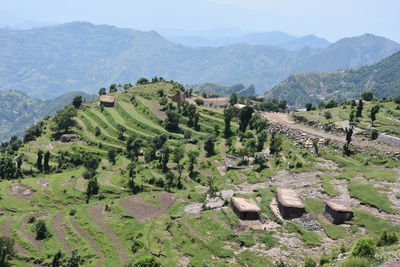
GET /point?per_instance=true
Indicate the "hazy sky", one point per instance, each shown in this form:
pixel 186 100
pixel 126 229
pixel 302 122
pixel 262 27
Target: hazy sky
pixel 332 19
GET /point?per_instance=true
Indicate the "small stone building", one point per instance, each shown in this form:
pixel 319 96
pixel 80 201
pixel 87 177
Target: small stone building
pixel 289 203
pixel 68 137
pixel 246 209
pixel 337 211
pixel 107 101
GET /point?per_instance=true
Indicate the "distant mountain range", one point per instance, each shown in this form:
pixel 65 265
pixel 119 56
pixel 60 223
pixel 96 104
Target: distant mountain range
pixel 50 61
pixel 19 111
pixel 382 78
pixel 276 39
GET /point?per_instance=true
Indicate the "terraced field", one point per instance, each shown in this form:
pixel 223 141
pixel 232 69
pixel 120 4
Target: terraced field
pixel 117 227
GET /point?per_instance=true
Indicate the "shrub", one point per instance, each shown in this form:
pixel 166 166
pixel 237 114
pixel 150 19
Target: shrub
pixel 199 101
pixel 324 259
pixel 374 134
pixel 354 262
pixel 309 262
pixel 387 239
pixel 364 247
pixel 146 261
pixel 72 212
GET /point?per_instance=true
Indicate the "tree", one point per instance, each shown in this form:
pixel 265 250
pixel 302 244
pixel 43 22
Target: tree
pixel 39 160
pixel 164 158
pixel 97 131
pixel 6 250
pixel 170 177
pixel 112 154
pixel 77 101
pixel 367 96
pixel 209 146
pixel 228 116
pixel 374 111
pixel 365 247
pixel 64 119
pixel 75 260
pixel 92 189
pixel 245 117
pixel 310 106
pixel 41 230
pixel 171 123
pixel 46 162
pixel 7 168
pixel 360 108
pixel 192 156
pixel 102 91
pixel 352 117
pixel 328 115
pixel 113 88
pixel 261 139
pixel 260 159
pixel 349 134
pixel 258 123
pixel 275 145
pixel 233 99
pixel 142 81
pixel 132 175
pixel 57 259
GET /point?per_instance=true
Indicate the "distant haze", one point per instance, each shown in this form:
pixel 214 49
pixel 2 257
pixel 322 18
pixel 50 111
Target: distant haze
pixel 327 19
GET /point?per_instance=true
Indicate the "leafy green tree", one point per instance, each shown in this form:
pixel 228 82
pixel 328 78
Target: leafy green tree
pixel 229 113
pixel 192 156
pixel 170 177
pixel 349 134
pixel 364 247
pixel 6 251
pixel 64 119
pixel 113 88
pixel 233 99
pixel 112 154
pixel 352 117
pixel 261 139
pixel 57 259
pixel 39 164
pixel 46 160
pixel 97 131
pixel 171 123
pixel 374 111
pixel 142 81
pixel 367 96
pixel 258 123
pixel 77 101
pixel 41 230
pixel 75 260
pixel 310 106
pixel 360 108
pixel 102 91
pixel 92 189
pixel 245 117
pixel 276 142
pixel 209 146
pixel 328 115
pixel 132 175
pixel 164 158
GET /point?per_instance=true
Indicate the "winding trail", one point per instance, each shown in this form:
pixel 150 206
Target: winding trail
pixel 31 238
pixel 60 233
pixel 93 244
pixel 5 231
pixel 96 214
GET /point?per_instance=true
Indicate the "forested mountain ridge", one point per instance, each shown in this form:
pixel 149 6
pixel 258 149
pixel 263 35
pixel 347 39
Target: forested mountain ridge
pixel 382 78
pixel 19 111
pixel 47 62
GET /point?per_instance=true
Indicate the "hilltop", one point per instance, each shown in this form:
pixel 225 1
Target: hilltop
pixel 50 61
pixel 142 178
pixel 382 78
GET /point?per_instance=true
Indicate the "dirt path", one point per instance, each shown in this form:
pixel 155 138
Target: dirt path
pixel 5 231
pixel 93 244
pixel 31 238
pixel 60 233
pixel 96 214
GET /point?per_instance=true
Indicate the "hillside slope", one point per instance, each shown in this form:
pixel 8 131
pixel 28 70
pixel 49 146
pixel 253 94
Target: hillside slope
pixel 47 62
pixel 382 78
pixel 19 111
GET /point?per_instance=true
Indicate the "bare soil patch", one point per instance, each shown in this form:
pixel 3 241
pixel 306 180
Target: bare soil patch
pixel 58 229
pixel 96 213
pixel 93 244
pixel 36 243
pixel 44 183
pixel 144 211
pixel 18 190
